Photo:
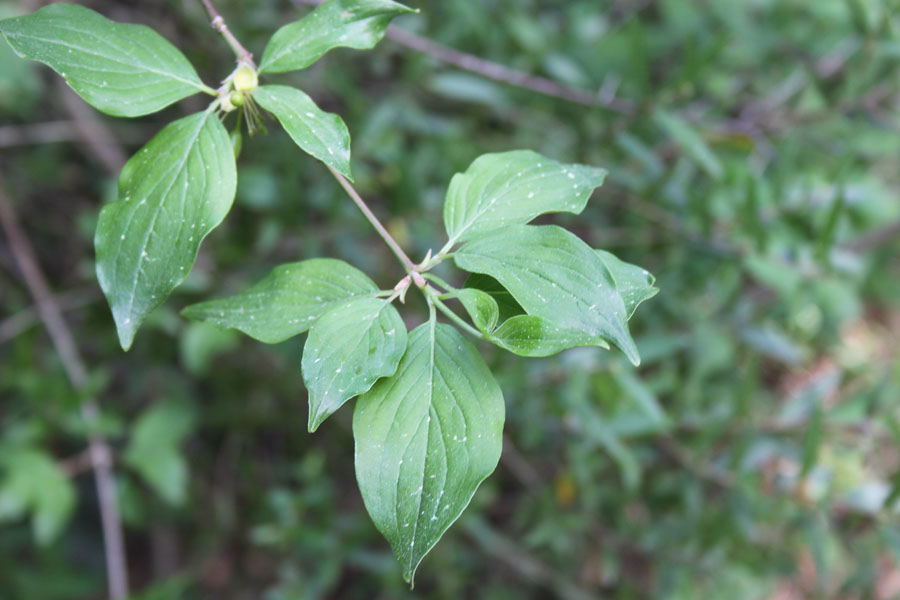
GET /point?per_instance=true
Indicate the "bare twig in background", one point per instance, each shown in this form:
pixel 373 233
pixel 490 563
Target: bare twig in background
pixel 879 237
pixel 519 466
pixel 683 458
pixel 501 73
pixel 77 464
pixel 21 321
pixel 63 341
pixel 520 561
pixel 28 134
pixel 93 131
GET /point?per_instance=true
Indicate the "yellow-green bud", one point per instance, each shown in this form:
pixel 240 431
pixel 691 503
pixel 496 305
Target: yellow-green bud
pixel 237 98
pixel 245 79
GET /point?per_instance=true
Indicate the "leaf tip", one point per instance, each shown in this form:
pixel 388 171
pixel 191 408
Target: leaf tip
pixel 126 334
pixel 314 422
pixel 409 575
pixel 629 349
pixel 317 413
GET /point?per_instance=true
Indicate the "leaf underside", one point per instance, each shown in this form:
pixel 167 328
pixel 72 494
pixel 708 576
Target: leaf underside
pixel 426 437
pixel 172 193
pixel 121 69
pixel 531 335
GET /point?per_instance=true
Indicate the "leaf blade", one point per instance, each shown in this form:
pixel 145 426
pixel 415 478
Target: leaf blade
pixel 357 24
pixel 287 301
pixel 121 69
pixel 348 349
pixel 533 336
pixel 481 306
pixel 514 187
pixel 554 275
pixel 691 141
pixel 506 305
pixel 634 283
pixel 154 449
pixel 443 384
pixel 33 481
pixel 320 134
pixel 147 241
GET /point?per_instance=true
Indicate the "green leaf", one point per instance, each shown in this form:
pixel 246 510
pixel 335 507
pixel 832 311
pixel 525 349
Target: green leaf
pixel 154 449
pixel 633 283
pixel 812 441
pixel 690 141
pixel 122 70
pixel 480 305
pixel 33 481
pixel 506 304
pixel 172 193
pixel 482 308
pixel 530 335
pixel 348 348
pixel 287 301
pixel 201 343
pixel 425 439
pixel 318 133
pixel 356 24
pixel 554 275
pixel 514 187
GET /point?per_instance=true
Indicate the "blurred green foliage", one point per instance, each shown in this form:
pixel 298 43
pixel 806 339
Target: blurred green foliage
pixel 754 454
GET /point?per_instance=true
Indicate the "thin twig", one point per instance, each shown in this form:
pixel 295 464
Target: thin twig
pixel 218 23
pixel 504 74
pixel 407 263
pixel 432 293
pixel 93 131
pixel 21 321
pixel 682 457
pixel 77 464
pixel 525 565
pixel 63 341
pixel 501 73
pixel 875 238
pixel 52 132
pixel 519 466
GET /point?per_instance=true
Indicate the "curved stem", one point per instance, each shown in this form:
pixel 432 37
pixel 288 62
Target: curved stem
pixel 434 300
pixel 407 263
pixel 73 364
pixel 432 317
pixel 438 281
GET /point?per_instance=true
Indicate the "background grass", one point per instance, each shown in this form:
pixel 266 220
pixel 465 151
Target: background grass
pixel 754 152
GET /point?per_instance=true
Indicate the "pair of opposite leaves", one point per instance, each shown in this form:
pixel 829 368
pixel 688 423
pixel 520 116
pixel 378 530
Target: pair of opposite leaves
pixel 428 422
pixel 181 185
